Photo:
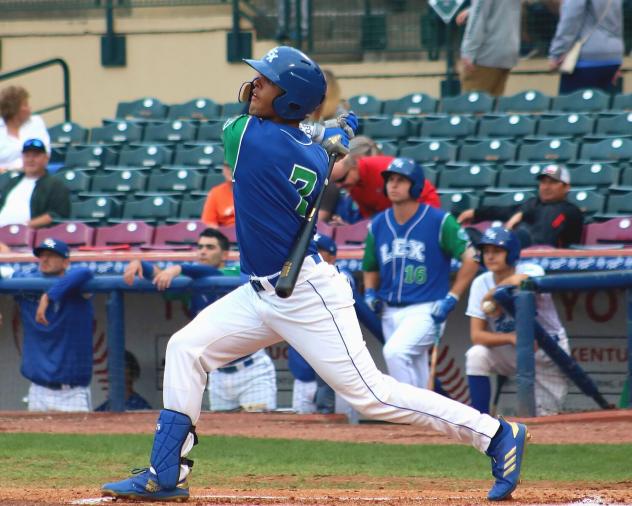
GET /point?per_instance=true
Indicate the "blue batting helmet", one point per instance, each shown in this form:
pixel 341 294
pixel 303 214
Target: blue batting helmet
pixel 410 169
pixel 503 238
pixel 298 76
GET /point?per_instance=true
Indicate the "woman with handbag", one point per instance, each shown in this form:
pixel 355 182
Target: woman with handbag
pixel 588 44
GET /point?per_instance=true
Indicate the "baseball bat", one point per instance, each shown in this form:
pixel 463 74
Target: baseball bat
pixel 292 266
pixel 433 357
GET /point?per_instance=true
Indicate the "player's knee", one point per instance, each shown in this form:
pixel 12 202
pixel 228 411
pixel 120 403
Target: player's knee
pixel 477 361
pixel 392 352
pixel 177 344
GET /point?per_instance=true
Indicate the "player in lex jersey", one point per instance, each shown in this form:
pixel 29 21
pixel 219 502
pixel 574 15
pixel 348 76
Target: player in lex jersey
pixel 278 172
pixel 406 266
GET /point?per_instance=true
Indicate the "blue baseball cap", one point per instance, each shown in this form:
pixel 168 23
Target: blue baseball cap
pixel 326 243
pixel 59 247
pixel 34 145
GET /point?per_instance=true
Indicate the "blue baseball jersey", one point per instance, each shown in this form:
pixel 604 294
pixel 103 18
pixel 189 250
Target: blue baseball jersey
pixel 277 172
pixel 413 258
pixel 60 352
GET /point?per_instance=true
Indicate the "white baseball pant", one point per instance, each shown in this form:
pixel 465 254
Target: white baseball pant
pixel 303 396
pixel 65 399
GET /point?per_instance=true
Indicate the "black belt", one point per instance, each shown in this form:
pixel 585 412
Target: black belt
pixel 230 369
pixel 258 286
pixel 55 385
pixel 399 304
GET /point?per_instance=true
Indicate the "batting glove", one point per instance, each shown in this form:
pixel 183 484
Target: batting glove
pixel 442 308
pixel 371 299
pixel 344 125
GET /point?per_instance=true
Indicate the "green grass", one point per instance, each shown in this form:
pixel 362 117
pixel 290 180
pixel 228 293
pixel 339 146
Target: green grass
pixel 66 461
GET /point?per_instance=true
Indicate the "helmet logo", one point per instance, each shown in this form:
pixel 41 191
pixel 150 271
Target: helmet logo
pixel 272 55
pixel 490 234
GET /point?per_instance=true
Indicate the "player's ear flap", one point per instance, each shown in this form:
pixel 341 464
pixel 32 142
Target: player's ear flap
pixel 245 91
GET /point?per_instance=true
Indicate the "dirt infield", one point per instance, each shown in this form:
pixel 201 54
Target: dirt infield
pixel 598 427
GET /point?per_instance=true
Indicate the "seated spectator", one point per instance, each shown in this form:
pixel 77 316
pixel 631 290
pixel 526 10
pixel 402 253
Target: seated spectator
pixel 361 176
pixel 57 348
pixel 16 126
pixel 133 400
pixel 34 198
pixel 547 219
pixel 219 208
pixel 493 332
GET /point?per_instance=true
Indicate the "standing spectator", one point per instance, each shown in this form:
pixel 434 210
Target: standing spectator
pixel 599 25
pixel 219 208
pixel 493 332
pixel 34 198
pixel 490 46
pixel 546 219
pixel 57 349
pixel 16 126
pixel 133 400
pixel 407 259
pixel 247 383
pixel 285 16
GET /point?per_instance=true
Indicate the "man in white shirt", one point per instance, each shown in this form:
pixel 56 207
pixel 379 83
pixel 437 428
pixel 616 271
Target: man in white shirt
pixel 34 198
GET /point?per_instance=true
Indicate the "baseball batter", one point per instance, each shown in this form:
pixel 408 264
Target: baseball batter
pixel 278 172
pixel 406 267
pixel 493 331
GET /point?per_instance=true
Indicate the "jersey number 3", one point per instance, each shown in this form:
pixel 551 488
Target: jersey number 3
pixel 305 181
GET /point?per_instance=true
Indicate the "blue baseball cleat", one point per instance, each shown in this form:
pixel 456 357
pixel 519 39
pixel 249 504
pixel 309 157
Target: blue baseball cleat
pixel 143 485
pixel 506 454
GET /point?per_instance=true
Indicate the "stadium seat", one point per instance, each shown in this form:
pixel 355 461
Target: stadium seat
pixel 75 180
pixel 210 131
pixel 587 199
pixel 615 124
pixel 231 109
pixel 17 237
pixel 553 150
pixel 431 173
pixel 117 132
pixel 365 105
pixel 473 176
pixel 6 176
pixel 352 235
pixel 608 149
pixel 626 176
pixel 153 155
pixel 565 125
pixel 388 128
pixel 204 155
pixel 212 179
pixel 198 108
pixel 74 234
pixel 519 175
pixel 176 180
pixel 387 148
pixel 506 197
pixel 581 101
pixel 191 208
pixel 430 151
pixel 622 102
pixel 125 180
pixel 444 126
pixel 617 230
pixel 147 108
pixel 457 201
pixel 526 101
pixel 97 208
pixel 495 150
pixel 134 233
pixel 151 208
pixel 68 133
pixel 593 174
pixel 183 232
pixel 619 201
pixel 89 156
pixel 174 131
pixel 415 103
pixel 474 102
pixel 514 125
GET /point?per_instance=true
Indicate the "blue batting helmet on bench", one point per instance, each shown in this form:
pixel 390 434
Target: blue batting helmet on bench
pixel 410 169
pixel 503 238
pixel 298 76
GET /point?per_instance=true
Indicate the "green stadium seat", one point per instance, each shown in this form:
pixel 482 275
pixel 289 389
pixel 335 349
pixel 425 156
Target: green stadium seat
pixel 626 176
pixel 210 131
pixel 473 176
pixel 431 173
pixel 413 104
pixel 565 125
pixel 622 102
pixel 387 128
pixel 212 179
pixel 588 199
pixel 444 126
pixel 519 175
pixel 153 155
pixel 68 133
pixel 581 101
pixel 496 151
pixel 457 201
pixel 90 156
pixel 619 201
pixel 180 180
pixel 475 102
pixel 526 101
pixel 615 124
pixel 231 109
pixel 387 148
pixel 174 131
pixel 609 149
pixel 6 176
pixel 507 125
pixel 191 208
pixel 593 174
pixel 198 109
pixel 203 155
pixel 124 180
pixel 117 132
pixel 430 151
pixel 507 196
pixel 365 105
pixel 75 180
pixel 147 108
pixel 549 150
pixel 96 208
pixel 153 209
